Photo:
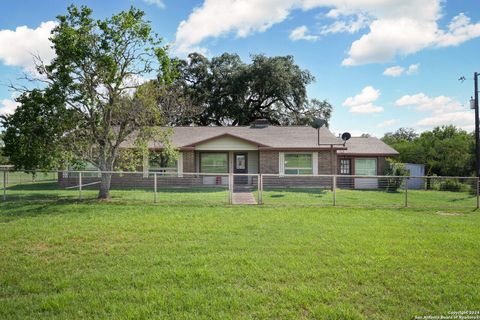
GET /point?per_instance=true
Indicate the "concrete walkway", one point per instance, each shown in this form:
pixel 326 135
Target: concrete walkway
pixel 243 198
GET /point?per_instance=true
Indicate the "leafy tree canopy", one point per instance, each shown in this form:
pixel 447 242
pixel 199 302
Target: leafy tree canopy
pixel 446 150
pixel 225 90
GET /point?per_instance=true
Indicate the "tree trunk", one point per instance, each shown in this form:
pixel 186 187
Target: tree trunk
pixel 104 191
pixel 106 166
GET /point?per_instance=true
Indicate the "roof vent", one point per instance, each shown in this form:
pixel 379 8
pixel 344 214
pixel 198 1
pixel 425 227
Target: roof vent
pixel 259 123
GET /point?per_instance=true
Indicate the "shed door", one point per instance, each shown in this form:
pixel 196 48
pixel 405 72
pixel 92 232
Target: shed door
pixel 366 167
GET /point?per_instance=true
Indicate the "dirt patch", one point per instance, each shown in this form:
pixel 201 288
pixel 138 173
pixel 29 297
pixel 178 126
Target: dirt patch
pixel 41 246
pixel 449 214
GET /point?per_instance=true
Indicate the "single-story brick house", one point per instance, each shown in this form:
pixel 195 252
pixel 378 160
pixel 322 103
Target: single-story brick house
pixel 265 149
pixel 288 150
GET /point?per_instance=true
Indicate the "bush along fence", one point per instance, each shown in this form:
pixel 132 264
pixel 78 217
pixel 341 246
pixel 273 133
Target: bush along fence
pixel 223 188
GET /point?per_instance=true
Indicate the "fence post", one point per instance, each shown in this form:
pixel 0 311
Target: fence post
pixel 478 192
pixel 230 187
pixel 5 185
pixel 406 192
pixel 260 189
pixel 155 187
pixel 334 190
pixel 80 185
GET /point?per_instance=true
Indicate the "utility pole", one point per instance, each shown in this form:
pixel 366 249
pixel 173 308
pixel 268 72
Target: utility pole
pixel 477 142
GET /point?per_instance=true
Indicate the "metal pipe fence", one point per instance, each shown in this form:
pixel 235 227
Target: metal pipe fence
pixel 229 188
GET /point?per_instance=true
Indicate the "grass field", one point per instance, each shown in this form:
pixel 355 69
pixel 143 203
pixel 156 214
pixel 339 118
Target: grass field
pixel 71 260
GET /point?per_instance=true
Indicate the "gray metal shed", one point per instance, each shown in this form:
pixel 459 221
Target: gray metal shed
pixel 416 170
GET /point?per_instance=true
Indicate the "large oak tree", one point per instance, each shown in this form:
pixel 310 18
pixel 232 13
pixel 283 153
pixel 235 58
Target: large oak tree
pixel 224 90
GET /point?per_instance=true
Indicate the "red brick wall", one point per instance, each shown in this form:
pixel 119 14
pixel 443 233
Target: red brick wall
pixel 188 161
pixel 327 162
pixel 268 162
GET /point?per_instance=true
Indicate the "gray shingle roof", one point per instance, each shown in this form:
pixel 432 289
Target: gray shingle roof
pixel 295 137
pixel 367 146
pixel 275 137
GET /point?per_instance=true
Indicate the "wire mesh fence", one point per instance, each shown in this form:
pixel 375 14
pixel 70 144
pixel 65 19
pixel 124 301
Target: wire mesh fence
pixel 223 188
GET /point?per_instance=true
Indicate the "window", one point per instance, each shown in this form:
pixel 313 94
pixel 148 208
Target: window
pixel 240 162
pixel 298 163
pixel 365 167
pixel 214 162
pixel 158 162
pixel 344 166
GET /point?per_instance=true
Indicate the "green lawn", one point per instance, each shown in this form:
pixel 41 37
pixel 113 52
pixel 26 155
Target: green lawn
pixel 71 260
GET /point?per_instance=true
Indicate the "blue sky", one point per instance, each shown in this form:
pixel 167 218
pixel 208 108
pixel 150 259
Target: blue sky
pixel 382 64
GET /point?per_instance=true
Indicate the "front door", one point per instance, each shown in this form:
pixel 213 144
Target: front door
pixel 240 165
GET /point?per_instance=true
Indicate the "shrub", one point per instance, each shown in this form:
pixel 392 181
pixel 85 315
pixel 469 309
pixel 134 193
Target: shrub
pixel 454 185
pixel 397 170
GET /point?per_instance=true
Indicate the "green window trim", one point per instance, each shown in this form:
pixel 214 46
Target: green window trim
pixel 214 162
pixel 298 163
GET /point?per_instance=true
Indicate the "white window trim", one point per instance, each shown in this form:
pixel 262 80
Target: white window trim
pixel 315 163
pixel 281 162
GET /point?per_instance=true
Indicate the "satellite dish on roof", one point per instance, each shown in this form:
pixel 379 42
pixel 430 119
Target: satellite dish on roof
pixel 346 136
pixel 318 123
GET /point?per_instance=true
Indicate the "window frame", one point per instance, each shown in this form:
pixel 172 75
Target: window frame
pixel 201 154
pixel 376 166
pixel 349 166
pixel 285 168
pixel 159 169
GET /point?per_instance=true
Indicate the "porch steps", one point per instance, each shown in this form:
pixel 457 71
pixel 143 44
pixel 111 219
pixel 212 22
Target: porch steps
pixel 243 198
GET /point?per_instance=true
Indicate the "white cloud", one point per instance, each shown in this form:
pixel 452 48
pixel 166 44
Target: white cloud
pixel 394 71
pixel 158 3
pixel 444 110
pixel 349 24
pixel 390 37
pixel 396 27
pixel 407 35
pixel 217 18
pixel 459 30
pixel 18 46
pixel 364 101
pixel 397 71
pixel 387 123
pixel 462 119
pixel 300 33
pixel 8 106
pixel 413 68
pixel 421 102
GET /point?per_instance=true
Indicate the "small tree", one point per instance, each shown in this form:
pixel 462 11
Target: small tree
pixel 34 134
pixel 397 170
